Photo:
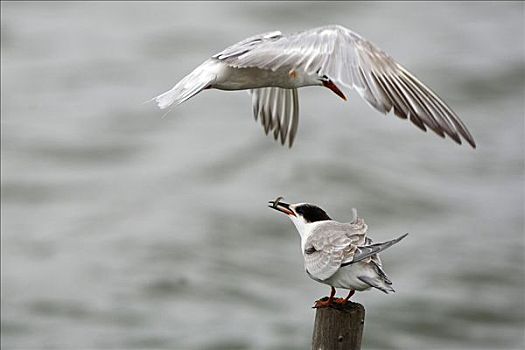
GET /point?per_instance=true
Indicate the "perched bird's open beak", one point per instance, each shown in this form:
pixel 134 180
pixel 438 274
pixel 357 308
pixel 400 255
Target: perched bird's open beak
pixel 330 84
pixel 281 206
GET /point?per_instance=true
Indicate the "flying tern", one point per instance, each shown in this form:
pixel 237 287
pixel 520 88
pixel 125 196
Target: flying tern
pixel 337 254
pixel 272 66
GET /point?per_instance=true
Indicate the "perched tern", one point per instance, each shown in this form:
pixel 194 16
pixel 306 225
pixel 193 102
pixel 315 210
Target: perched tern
pixel 272 66
pixel 337 254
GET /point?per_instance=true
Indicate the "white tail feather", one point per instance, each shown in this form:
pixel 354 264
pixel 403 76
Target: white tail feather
pixel 189 86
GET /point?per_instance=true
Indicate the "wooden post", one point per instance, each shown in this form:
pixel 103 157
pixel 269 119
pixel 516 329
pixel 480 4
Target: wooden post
pixel 339 327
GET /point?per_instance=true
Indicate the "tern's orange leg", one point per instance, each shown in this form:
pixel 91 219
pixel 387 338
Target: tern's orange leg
pixel 345 300
pixel 325 303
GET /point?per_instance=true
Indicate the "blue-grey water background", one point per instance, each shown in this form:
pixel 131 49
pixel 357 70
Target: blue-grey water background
pixel 123 229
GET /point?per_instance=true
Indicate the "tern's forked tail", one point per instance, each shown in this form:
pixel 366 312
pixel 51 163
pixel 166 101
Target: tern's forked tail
pixel 199 79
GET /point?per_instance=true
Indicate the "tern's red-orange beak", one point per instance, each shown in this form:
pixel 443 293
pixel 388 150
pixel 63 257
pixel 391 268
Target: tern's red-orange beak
pixel 282 207
pixel 330 84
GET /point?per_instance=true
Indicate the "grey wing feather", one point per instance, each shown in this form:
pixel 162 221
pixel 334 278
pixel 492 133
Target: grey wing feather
pixel 351 60
pixel 374 283
pixel 294 121
pixel 367 251
pixel 375 259
pixel 325 252
pixel 357 230
pixel 329 245
pixel 379 269
pixel 278 111
pixel 246 45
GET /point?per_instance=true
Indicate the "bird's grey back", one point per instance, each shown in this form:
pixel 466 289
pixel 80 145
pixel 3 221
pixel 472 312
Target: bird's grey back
pixel 355 231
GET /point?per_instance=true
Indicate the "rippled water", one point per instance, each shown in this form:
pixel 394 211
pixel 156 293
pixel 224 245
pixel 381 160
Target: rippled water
pixel 121 229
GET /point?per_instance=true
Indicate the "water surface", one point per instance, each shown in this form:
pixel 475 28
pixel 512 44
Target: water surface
pixel 122 229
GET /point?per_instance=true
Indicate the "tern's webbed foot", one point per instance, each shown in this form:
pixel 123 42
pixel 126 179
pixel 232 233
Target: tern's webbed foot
pixel 322 303
pixel 341 301
pixel 327 302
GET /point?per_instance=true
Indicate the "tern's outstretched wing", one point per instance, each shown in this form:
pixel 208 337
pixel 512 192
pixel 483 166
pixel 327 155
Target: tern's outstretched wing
pixel 347 58
pixel 278 110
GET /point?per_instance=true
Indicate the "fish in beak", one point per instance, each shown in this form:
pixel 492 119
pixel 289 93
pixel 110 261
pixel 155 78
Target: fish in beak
pixel 281 206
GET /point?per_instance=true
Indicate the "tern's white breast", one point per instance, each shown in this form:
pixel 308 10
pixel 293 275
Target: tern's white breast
pixel 230 78
pixel 347 276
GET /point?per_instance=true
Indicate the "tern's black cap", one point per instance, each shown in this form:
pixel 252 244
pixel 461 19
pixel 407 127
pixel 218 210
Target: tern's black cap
pixel 311 213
